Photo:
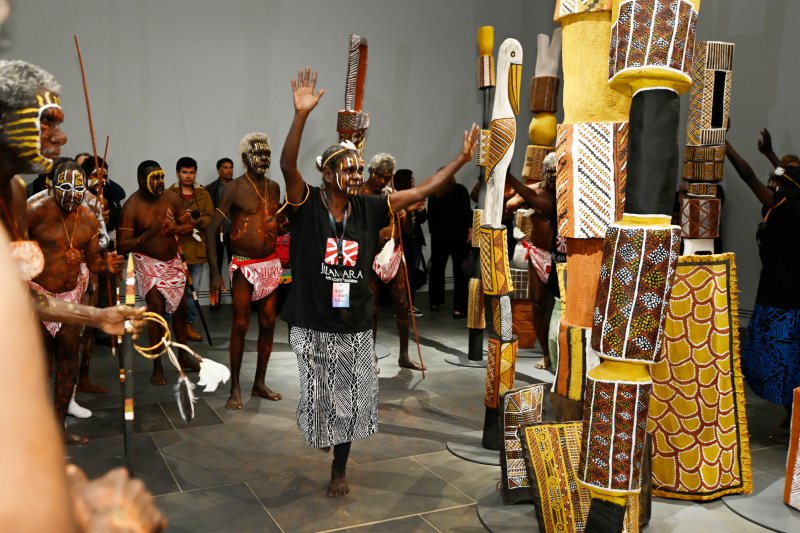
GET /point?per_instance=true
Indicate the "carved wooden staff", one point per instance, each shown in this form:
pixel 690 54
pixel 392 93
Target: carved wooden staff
pixel 352 122
pixel 127 285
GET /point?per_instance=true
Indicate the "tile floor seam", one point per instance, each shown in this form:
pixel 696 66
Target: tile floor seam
pixel 445 411
pixel 166 416
pixel 246 484
pixel 443 479
pixel 394 519
pixel 166 463
pixel 427 522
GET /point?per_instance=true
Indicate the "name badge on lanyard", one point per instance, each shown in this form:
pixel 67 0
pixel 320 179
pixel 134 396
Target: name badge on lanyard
pixel 341 295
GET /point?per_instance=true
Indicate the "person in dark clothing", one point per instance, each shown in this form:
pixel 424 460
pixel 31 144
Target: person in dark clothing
pixel 113 193
pixel 771 350
pixel 413 241
pixel 449 222
pixel 215 189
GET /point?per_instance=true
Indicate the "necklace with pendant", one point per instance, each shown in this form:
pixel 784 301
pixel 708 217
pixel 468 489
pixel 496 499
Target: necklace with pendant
pixel 73 256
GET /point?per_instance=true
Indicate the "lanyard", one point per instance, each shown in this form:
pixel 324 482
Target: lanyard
pixel 339 240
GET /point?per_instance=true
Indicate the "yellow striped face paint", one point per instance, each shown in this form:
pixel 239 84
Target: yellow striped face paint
pixel 34 132
pixel 155 182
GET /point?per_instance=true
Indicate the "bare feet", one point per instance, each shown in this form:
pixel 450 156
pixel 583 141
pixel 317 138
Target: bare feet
pixel 338 485
pixel 73 439
pixel 158 377
pixel 405 362
pixel 84 385
pixel 234 400
pixel 544 364
pixel 265 392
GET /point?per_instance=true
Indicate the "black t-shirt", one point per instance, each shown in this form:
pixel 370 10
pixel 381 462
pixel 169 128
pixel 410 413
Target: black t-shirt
pixel 315 265
pixel 779 248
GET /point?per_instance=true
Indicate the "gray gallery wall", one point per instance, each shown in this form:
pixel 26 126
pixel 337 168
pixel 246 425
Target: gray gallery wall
pixel 190 77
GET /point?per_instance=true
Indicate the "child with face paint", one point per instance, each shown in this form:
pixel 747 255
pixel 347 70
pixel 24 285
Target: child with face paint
pixel 151 222
pixel 67 232
pixel 334 240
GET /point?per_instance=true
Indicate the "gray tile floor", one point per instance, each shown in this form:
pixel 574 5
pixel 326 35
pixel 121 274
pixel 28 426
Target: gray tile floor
pixel 250 471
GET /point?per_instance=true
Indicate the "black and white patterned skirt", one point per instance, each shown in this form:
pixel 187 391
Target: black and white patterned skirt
pixel 338 386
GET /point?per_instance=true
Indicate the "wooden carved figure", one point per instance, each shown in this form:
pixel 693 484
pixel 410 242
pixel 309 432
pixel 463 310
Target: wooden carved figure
pixel 352 122
pixel 495 269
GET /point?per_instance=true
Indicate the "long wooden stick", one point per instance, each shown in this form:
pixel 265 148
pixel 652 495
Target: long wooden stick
pixel 86 96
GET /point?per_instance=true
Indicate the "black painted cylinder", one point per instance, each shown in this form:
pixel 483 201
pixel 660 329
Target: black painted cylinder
pixel 653 155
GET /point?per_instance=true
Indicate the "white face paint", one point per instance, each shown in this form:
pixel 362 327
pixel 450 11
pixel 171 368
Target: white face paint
pixel 69 189
pixel 349 176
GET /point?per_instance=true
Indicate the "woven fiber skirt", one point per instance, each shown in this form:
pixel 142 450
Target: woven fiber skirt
pixel 338 386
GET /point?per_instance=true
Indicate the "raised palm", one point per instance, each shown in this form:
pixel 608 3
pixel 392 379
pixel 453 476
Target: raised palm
pixel 303 90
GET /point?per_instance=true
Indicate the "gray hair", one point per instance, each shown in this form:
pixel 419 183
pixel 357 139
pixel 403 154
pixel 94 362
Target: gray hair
pixel 383 163
pixel 247 142
pixel 549 163
pixel 19 82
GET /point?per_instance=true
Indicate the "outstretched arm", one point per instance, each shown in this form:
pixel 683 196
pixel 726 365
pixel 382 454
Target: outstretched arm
pixel 765 147
pixel 745 172
pixel 402 199
pixel 304 101
pixel 532 197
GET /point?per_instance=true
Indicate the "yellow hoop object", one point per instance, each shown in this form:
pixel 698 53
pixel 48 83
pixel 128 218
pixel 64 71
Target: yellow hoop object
pixel 148 351
pixel 287 202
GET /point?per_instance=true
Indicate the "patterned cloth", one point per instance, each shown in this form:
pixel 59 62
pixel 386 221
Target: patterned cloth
pixel 542 260
pixel 521 407
pixel 697 418
pixel 74 296
pixel 168 277
pixel 771 353
pixel 338 386
pixel 263 274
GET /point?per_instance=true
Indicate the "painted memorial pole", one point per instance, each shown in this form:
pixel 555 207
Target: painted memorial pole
pixel 495 270
pixel 652 42
pixel 476 321
pixel 701 357
pixel 591 169
pixel 352 122
pixel 704 158
pixel 544 104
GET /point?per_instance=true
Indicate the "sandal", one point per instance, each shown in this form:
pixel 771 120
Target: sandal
pixel 458 314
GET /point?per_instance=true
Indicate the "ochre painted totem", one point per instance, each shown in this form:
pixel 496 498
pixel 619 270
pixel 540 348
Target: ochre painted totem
pixel 495 269
pixel 544 104
pixel 703 161
pixel 352 122
pixel 697 410
pixel 486 83
pixel 591 161
pixel 650 56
